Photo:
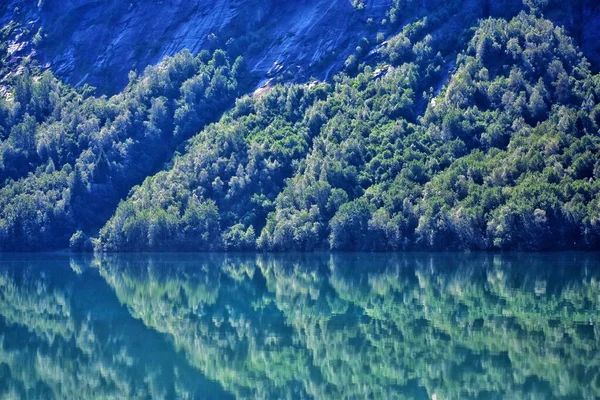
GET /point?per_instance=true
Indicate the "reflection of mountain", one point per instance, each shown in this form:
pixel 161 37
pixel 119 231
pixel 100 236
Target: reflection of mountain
pixel 363 326
pixel 64 335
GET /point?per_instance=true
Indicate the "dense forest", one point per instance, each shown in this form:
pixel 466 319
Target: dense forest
pixel 487 140
pixel 68 157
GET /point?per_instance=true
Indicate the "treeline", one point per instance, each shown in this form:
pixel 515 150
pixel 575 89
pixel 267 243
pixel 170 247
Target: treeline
pixel 505 156
pixel 236 174
pixel 68 157
pixel 411 147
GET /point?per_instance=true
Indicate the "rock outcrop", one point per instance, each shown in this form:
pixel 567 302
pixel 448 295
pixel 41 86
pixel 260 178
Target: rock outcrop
pixel 98 41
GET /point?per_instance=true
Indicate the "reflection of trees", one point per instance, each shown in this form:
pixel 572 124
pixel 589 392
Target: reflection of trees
pixel 218 314
pixel 354 326
pixel 301 326
pixel 63 335
pixel 483 326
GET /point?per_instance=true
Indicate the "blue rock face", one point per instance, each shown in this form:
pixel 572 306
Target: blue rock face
pixel 99 41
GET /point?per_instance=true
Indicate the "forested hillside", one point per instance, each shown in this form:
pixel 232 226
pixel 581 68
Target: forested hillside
pixel 487 138
pixel 68 157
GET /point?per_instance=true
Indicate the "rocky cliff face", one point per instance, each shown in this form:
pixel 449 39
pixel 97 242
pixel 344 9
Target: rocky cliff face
pixel 99 41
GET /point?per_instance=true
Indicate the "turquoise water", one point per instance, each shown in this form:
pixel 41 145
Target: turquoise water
pixel 327 326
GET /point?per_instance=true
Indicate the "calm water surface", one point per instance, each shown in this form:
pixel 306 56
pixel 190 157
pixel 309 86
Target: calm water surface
pixel 326 326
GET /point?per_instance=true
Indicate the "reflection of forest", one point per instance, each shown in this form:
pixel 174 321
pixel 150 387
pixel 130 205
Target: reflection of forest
pixel 354 326
pixel 64 335
pixel 301 326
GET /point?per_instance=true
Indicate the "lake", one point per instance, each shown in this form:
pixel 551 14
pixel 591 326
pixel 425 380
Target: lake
pixel 325 326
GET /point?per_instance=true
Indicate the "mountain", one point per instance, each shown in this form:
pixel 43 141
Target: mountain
pixel 357 125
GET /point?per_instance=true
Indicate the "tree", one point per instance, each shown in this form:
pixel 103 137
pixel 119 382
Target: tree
pixel 350 226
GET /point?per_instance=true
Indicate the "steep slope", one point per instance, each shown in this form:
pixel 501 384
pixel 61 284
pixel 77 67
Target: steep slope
pixel 98 42
pixel 406 148
pixel 506 157
pixel 67 158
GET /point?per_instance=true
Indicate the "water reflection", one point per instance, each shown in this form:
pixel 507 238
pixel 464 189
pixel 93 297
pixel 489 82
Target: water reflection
pixel 64 335
pixel 415 326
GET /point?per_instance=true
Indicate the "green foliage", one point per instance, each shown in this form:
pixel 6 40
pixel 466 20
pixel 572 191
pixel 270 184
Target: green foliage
pixel 350 226
pixel 494 148
pixel 79 242
pixel 237 166
pixel 75 156
pixel 537 159
pixel 504 156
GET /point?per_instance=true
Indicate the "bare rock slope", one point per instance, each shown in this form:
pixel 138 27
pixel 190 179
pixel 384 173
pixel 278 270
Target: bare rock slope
pixel 99 41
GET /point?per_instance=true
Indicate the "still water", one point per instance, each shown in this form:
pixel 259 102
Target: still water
pixel 326 326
